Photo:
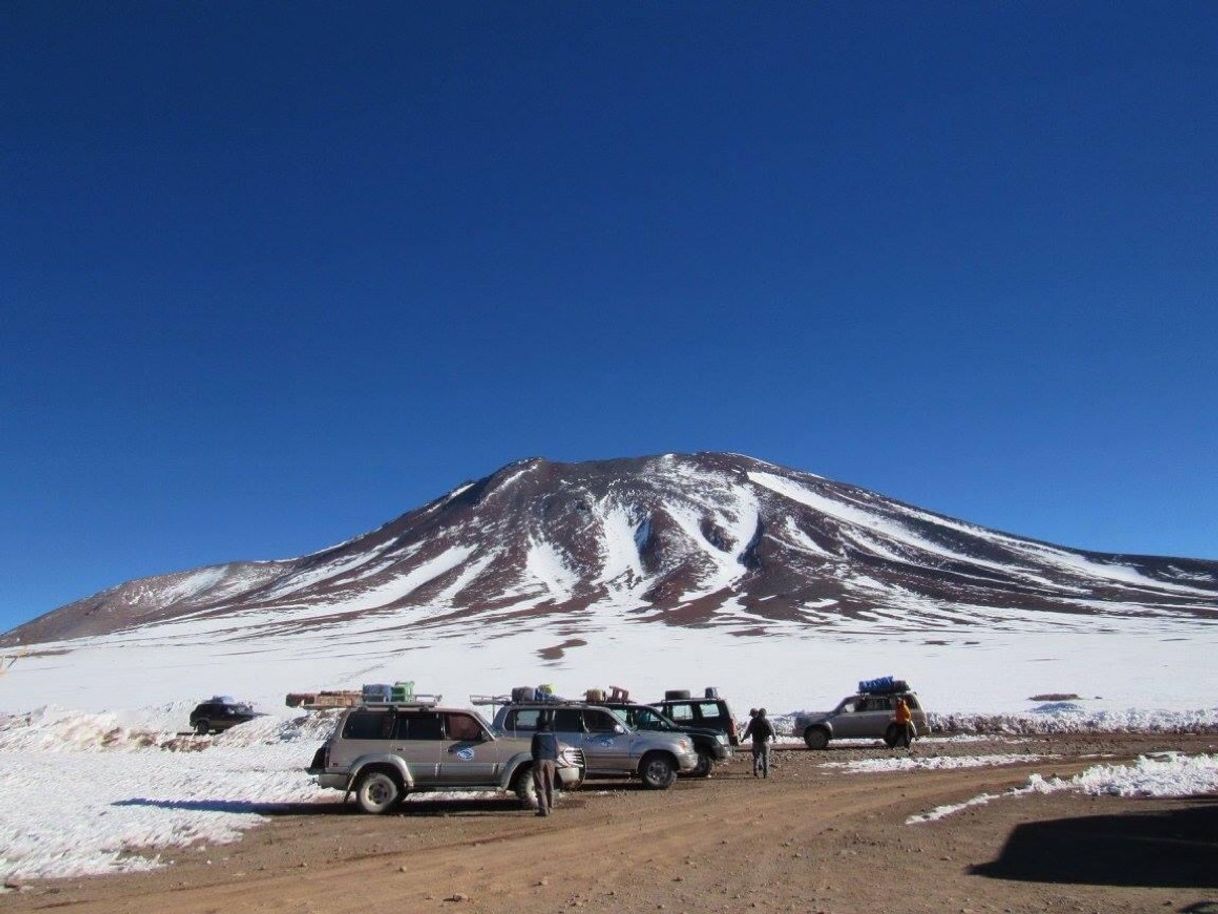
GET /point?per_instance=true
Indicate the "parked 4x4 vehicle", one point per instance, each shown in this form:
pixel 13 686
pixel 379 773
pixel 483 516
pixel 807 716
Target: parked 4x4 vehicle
pixel 708 713
pixel 865 715
pixel 711 747
pixel 612 748
pixel 383 752
pixel 218 714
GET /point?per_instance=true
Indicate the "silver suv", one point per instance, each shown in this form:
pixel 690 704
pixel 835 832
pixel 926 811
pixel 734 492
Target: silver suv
pixel 866 715
pixel 612 748
pixel 383 752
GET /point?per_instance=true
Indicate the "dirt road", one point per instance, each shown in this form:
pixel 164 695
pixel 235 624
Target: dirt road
pixel 812 838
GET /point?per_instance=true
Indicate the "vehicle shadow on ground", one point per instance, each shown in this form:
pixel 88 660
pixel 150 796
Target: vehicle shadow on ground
pixel 240 806
pixel 1172 848
pixel 409 809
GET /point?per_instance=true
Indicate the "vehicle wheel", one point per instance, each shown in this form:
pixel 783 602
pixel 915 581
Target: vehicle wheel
pixel 816 738
pixel 377 792
pixel 201 728
pixel 525 789
pixel 657 771
pixel 892 736
pixel 704 766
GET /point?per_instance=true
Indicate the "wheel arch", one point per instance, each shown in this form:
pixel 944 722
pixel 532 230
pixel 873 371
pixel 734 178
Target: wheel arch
pixel 381 762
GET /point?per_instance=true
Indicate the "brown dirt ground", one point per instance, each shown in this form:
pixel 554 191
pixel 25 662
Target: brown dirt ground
pixel 810 839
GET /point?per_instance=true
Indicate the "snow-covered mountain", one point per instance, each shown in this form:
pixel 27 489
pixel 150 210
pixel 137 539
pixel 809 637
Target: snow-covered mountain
pixel 689 540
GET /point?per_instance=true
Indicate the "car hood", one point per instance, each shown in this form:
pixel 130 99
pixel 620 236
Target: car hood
pixel 812 717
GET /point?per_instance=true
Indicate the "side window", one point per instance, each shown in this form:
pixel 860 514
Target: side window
pixel 418 727
pixel 682 713
pixel 368 725
pixel 523 719
pixel 709 711
pixel 568 720
pixel 598 721
pixel 461 726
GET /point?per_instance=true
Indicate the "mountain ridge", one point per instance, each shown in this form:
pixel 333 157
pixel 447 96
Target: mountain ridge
pixel 684 539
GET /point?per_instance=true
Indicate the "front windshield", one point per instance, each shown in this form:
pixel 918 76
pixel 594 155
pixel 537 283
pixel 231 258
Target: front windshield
pixel 621 718
pixel 649 719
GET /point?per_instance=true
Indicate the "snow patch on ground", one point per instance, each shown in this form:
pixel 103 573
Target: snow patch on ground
pixel 1168 775
pixel 930 763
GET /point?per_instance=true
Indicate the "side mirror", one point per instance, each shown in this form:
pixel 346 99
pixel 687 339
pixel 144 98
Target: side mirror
pixel 618 728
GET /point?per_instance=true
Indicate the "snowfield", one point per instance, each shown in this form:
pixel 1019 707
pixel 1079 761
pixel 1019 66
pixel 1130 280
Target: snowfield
pixel 86 793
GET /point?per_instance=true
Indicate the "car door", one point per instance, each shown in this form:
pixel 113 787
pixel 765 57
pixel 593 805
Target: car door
pixel 417 737
pixel 608 738
pixel 467 753
pixel 877 714
pixel 848 719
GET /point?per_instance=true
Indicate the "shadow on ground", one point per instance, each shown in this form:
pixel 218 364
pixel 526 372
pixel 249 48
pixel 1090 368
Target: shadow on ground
pixel 409 809
pixel 1164 848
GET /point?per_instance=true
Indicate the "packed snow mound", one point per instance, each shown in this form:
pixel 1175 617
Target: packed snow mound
pixel 56 729
pixel 1066 717
pixel 1169 775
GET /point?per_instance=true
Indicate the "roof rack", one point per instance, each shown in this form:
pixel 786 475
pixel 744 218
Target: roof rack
pixel 419 699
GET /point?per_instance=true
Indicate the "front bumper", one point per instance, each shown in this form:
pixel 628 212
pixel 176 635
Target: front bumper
pixel 687 761
pixel 570 778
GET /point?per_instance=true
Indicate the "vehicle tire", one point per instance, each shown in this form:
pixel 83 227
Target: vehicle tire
pixel 657 771
pixel 816 738
pixel 202 728
pixel 378 792
pixel 704 766
pixel 525 789
pixel 892 736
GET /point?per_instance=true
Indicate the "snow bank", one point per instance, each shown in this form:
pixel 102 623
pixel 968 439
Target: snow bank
pixel 84 793
pixel 1168 775
pixel 1068 717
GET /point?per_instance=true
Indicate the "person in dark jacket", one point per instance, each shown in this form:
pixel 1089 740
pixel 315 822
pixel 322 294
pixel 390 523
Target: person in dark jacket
pixel 762 731
pixel 545 761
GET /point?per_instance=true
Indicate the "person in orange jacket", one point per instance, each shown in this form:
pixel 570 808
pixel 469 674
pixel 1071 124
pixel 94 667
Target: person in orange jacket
pixel 903 718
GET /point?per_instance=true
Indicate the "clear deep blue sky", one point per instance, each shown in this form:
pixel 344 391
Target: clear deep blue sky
pixel 274 274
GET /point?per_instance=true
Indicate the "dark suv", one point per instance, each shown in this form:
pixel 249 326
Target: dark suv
pixel 711 747
pixel 218 714
pixel 710 713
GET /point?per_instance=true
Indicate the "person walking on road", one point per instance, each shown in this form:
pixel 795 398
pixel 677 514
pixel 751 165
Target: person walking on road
pixel 903 718
pixel 545 761
pixel 761 731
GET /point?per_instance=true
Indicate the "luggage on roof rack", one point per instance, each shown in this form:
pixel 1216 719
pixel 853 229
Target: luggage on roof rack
pixel 884 685
pixel 676 694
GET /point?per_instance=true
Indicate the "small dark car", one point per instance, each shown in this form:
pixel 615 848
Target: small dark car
pixel 219 714
pixel 711 747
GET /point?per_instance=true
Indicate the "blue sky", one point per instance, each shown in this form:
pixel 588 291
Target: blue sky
pixel 271 274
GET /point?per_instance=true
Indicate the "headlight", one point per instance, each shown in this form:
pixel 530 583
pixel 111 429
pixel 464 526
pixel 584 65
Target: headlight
pixel 686 743
pixel 722 738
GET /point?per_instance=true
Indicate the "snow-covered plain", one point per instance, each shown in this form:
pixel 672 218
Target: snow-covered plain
pixel 96 793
